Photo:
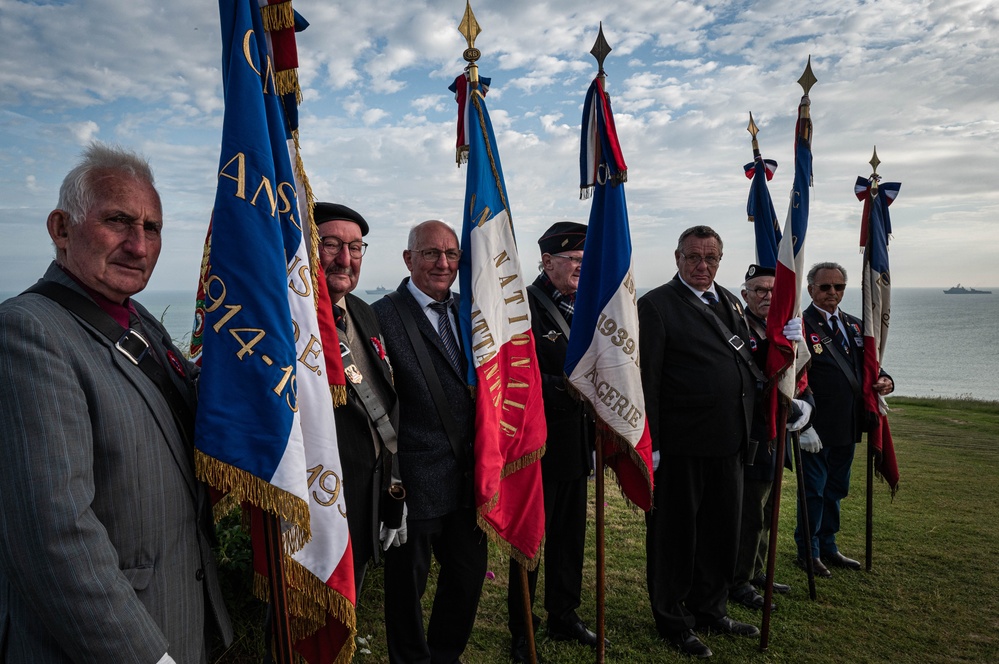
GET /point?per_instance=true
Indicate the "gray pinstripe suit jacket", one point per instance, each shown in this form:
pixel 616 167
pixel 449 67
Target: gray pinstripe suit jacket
pixel 104 544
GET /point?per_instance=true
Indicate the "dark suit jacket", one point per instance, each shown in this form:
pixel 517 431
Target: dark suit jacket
pixel 570 432
pixel 698 393
pixel 104 546
pixel 436 481
pixel 839 417
pixel 354 433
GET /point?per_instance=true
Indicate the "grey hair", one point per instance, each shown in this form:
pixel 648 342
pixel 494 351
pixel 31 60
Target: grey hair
pixel 699 232
pixel 80 189
pixel 415 231
pixel 824 266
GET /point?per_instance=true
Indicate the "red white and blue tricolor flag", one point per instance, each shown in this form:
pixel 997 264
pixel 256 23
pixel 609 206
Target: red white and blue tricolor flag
pixel 874 234
pixel 265 432
pixel 510 428
pixel 786 360
pixel 760 208
pixel 602 358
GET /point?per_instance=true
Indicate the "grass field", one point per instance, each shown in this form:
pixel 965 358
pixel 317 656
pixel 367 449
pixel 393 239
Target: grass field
pixel 932 595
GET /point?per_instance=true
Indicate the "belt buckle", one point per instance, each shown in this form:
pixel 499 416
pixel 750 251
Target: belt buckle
pixel 736 342
pixel 132 338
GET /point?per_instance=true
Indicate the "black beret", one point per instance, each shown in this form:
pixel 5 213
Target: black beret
pixel 759 271
pixel 563 236
pixel 322 212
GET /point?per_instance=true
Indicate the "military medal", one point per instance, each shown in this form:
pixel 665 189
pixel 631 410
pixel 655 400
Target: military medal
pixel 552 335
pixel 816 344
pixel 353 374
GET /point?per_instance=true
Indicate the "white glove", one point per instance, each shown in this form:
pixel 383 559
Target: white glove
pixel 390 537
pixel 806 414
pixel 655 460
pixel 792 330
pixel 166 659
pixel 809 441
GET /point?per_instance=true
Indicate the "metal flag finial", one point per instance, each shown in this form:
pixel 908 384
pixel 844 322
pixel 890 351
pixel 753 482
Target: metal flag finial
pixel 469 28
pixel 752 128
pixel 600 49
pixel 875 162
pixel 807 79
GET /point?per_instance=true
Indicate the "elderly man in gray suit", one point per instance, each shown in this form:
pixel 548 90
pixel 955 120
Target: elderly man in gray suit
pixel 105 554
pixel 436 434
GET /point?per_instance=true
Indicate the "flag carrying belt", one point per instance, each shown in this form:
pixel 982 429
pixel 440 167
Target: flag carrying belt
pixel 549 306
pixel 734 340
pixel 128 342
pixel 814 320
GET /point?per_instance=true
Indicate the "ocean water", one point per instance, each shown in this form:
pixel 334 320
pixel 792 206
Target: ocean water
pixel 938 345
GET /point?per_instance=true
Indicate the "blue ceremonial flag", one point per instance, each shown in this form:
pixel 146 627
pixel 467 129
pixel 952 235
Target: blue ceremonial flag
pixel 760 208
pixel 601 361
pixel 265 433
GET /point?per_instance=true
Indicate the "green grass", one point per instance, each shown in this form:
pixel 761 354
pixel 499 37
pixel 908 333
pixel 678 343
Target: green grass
pixel 932 595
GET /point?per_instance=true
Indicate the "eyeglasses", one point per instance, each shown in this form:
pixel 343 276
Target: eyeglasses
pixel 825 287
pixel 763 292
pixel 332 245
pixel 575 260
pixel 693 260
pixel 434 255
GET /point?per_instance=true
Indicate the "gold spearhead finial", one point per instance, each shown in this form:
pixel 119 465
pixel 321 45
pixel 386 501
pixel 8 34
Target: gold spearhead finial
pixel 469 28
pixel 807 79
pixel 600 49
pixel 752 128
pixel 874 162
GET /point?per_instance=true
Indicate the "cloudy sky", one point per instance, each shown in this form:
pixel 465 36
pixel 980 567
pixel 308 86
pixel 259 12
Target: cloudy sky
pixel 916 78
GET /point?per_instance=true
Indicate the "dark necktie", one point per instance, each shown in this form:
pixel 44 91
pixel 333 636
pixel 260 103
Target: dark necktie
pixel 839 334
pixel 710 298
pixel 447 333
pixel 340 318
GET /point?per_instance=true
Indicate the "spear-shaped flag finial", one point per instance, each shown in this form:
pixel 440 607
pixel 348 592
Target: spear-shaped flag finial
pixel 600 49
pixel 807 79
pixel 874 162
pixel 469 29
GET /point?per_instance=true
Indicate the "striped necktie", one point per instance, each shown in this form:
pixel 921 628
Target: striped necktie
pixel 710 298
pixel 839 334
pixel 447 333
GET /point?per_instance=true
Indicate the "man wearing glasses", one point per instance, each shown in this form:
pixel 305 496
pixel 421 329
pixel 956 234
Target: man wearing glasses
pixel 757 496
pixel 366 426
pixel 700 385
pixel 566 463
pixel 836 342
pixel 436 436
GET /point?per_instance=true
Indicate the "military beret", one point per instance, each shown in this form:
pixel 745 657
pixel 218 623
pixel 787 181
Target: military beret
pixel 563 236
pixel 322 212
pixel 759 271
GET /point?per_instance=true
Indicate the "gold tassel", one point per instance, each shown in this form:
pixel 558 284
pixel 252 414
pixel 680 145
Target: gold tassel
pixel 287 82
pixel 278 17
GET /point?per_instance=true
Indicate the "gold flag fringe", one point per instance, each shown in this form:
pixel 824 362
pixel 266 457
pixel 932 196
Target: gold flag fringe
pixel 622 445
pixel 523 462
pixel 245 486
pixel 287 82
pixel 461 155
pixel 310 601
pixel 278 17
pixel 505 547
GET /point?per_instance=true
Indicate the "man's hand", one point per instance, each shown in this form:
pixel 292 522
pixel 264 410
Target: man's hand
pixel 792 330
pixel 806 415
pixel 884 386
pixel 809 441
pixel 390 537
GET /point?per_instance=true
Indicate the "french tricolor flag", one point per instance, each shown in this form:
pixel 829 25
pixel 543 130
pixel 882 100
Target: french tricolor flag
pixel 602 359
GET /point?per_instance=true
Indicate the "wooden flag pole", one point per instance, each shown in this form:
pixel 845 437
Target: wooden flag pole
pixel 525 591
pixel 768 592
pixel 281 648
pixel 599 471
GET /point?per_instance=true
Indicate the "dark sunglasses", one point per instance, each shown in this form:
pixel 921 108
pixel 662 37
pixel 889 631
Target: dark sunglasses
pixel 825 287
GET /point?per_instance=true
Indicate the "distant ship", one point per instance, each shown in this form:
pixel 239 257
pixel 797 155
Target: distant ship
pixel 958 290
pixel 381 290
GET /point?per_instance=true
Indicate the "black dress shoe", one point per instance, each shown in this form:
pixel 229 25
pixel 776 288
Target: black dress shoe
pixel 688 644
pixel 520 652
pixel 726 625
pixel 817 567
pixel 780 588
pixel 574 631
pixel 750 599
pixel 839 560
